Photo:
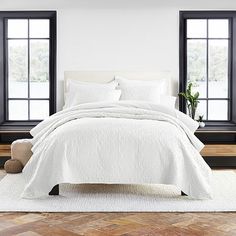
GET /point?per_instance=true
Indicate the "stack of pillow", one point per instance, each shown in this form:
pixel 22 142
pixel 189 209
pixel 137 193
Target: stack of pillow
pixel 119 89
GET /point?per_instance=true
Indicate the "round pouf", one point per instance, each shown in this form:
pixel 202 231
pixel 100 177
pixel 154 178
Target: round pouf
pixel 13 166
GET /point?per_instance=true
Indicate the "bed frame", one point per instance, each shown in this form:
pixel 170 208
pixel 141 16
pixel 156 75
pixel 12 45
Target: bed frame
pixel 55 191
pixel 107 76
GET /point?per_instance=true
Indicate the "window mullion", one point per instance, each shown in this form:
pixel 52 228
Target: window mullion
pixel 207 69
pixel 28 71
pixel 6 69
pixel 230 52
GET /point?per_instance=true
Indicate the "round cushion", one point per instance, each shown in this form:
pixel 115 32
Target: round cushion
pixel 13 166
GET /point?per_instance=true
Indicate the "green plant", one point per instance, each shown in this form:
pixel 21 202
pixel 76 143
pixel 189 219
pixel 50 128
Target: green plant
pixel 191 100
pixel 200 118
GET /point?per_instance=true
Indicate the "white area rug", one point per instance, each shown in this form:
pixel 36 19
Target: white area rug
pixel 119 198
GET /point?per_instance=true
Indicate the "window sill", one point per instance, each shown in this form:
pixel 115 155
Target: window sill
pixel 17 126
pixel 220 124
pixel 229 128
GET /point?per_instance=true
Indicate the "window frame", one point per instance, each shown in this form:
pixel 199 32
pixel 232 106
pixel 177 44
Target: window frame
pixel 231 15
pixel 4 15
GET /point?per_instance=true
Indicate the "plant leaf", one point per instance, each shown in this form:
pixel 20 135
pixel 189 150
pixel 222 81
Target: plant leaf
pixel 196 95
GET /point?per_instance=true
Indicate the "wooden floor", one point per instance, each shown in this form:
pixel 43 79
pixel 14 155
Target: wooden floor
pixel 71 224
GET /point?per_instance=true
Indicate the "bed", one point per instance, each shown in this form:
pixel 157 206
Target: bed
pixel 117 142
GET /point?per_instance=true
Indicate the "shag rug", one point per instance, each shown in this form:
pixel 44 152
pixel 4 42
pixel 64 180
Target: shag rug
pixel 119 198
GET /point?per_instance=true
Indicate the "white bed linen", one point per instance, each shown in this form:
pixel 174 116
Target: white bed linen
pixel 123 142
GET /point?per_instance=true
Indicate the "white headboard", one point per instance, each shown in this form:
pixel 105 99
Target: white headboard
pixel 106 76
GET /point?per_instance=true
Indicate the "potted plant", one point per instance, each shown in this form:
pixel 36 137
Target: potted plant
pixel 191 100
pixel 200 121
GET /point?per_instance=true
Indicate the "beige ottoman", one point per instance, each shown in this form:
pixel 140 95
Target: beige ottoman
pixel 21 150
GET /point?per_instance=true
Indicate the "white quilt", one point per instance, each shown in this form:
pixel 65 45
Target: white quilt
pixel 126 142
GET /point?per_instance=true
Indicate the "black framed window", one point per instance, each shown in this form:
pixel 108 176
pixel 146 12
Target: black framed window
pixel 28 66
pixel 207 53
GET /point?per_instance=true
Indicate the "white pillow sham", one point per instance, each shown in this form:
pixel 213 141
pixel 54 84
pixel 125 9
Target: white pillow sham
pixel 122 81
pixel 168 101
pixel 149 91
pixel 112 84
pixel 140 93
pixel 83 92
pixel 142 90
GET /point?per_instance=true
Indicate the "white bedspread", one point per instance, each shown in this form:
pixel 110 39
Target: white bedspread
pixel 124 142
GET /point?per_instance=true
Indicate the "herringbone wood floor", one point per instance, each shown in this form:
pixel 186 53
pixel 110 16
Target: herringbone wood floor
pixel 104 224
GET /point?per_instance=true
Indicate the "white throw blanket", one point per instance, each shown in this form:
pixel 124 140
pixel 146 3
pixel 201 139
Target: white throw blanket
pixel 124 143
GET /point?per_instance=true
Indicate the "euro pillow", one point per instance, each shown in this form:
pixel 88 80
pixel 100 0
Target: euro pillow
pixel 149 91
pixel 122 81
pixel 72 82
pixel 83 92
pixel 168 101
pixel 140 93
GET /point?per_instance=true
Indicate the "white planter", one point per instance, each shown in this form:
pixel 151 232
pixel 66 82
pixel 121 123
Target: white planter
pixel 201 124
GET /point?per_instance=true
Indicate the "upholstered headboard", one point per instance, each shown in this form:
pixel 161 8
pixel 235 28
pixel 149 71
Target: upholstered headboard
pixel 106 76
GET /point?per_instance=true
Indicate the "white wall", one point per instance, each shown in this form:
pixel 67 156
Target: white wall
pixel 117 39
pixel 117 34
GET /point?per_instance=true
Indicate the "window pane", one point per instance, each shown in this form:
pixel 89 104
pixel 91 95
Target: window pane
pixel 39 110
pixel 18 110
pixel 217 110
pixel 218 68
pixel 218 28
pixel 18 28
pixel 201 109
pixel 196 28
pixel 39 28
pixel 196 65
pixel 17 68
pixel 39 68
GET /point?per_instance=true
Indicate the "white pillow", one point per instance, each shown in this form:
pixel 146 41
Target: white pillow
pixel 124 82
pixel 140 93
pixel 168 101
pixel 72 82
pixel 80 93
pixel 149 91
